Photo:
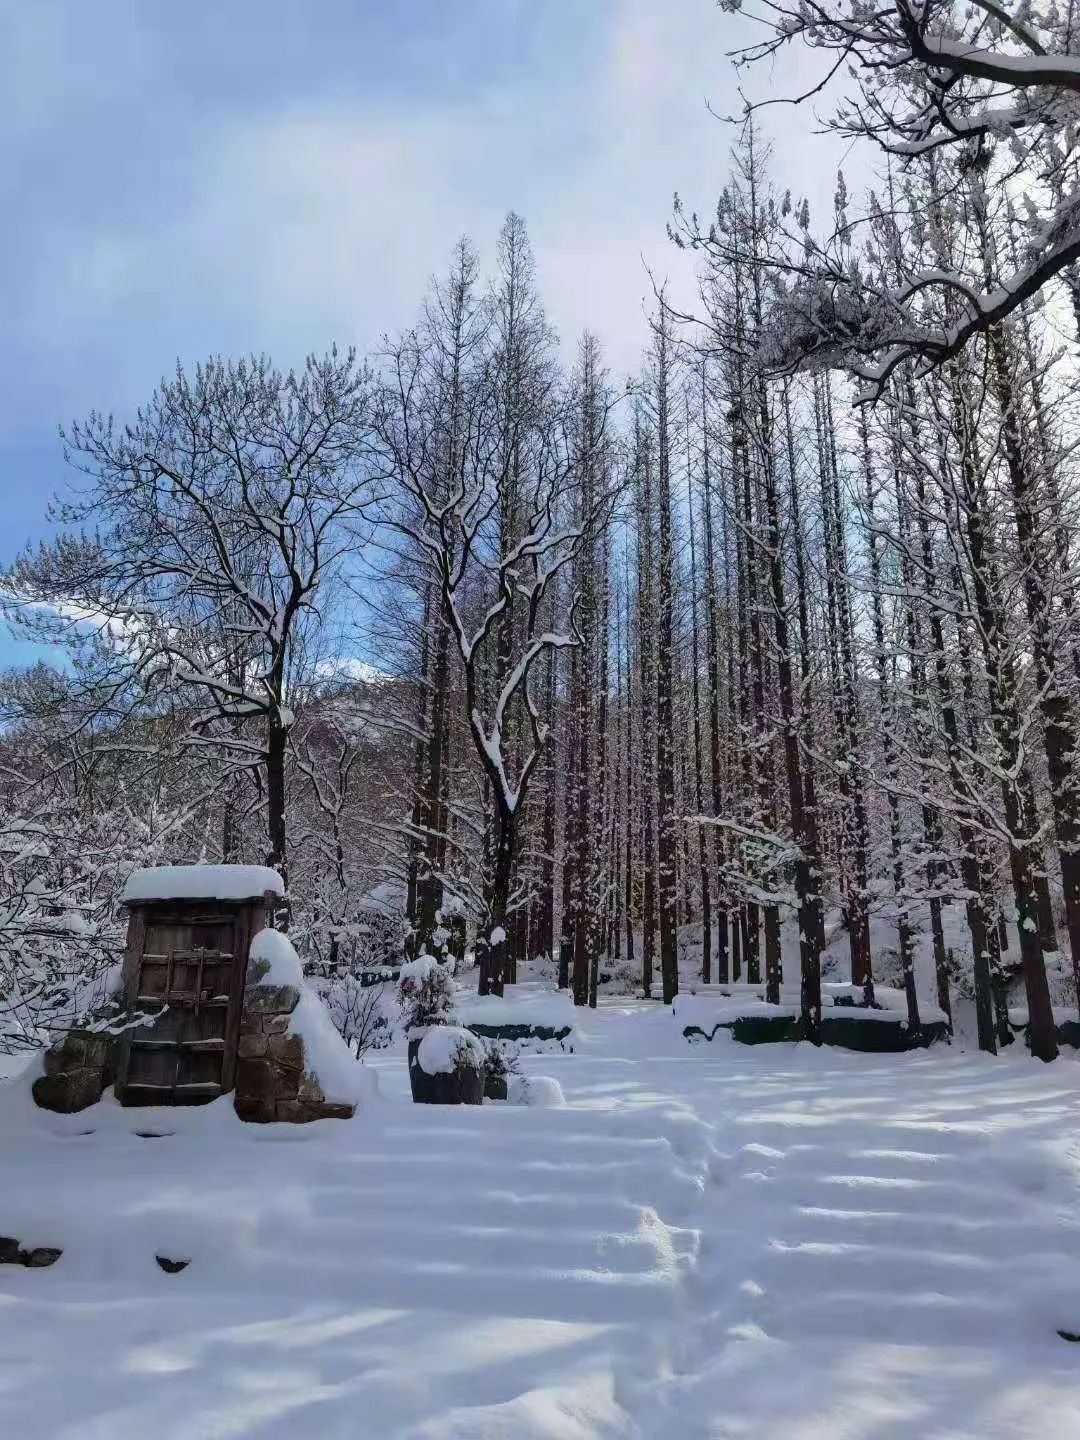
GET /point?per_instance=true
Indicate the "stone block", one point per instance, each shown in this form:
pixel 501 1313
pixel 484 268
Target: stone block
pixel 255 1110
pixel 271 999
pixel 286 1082
pixel 56 1060
pixel 255 1078
pixel 69 1091
pixel 302 1112
pixel 97 1050
pixel 296 1112
pixel 286 1051
pixel 252 1047
pixel 275 1024
pixel 462 1086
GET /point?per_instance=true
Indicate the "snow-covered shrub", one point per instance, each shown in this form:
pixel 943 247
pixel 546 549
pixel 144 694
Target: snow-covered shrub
pixel 426 993
pixel 351 965
pixel 500 1065
pixel 619 978
pixel 545 970
pixel 363 1014
pixel 499 1061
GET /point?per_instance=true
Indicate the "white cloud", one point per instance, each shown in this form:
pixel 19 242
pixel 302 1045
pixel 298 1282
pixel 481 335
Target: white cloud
pixel 325 221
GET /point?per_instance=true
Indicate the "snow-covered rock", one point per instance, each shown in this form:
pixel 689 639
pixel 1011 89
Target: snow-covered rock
pixel 444 1047
pixel 706 1012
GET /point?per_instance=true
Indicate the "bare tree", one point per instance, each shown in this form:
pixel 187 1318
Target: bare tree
pixel 217 516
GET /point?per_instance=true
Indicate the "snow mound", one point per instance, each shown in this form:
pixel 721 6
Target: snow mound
pixel 201 882
pixel 542 1091
pixel 1063 1015
pixel 700 1011
pixel 342 1078
pixel 441 1046
pixel 277 961
pixel 889 1000
pixel 708 1010
pixel 551 1009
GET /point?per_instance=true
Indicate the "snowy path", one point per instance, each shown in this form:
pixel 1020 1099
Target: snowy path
pixel 424 1272
pixel 704 1242
pixel 891 1252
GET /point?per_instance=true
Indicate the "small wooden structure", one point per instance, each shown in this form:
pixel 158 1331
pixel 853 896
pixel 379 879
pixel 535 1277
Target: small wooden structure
pixel 186 957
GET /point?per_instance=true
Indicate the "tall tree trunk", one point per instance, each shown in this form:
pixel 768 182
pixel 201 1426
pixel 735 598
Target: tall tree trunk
pixel 712 606
pixel 667 837
pixel 647 645
pixel 1021 823
pixel 699 800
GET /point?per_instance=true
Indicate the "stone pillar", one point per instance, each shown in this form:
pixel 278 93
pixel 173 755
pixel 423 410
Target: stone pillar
pixel 272 1078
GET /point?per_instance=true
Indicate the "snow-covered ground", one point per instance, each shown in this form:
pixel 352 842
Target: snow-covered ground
pixel 704 1241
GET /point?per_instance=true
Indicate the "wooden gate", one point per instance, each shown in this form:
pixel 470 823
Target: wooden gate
pixel 190 968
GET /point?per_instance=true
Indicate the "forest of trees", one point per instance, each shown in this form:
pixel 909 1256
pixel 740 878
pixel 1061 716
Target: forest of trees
pixel 775 641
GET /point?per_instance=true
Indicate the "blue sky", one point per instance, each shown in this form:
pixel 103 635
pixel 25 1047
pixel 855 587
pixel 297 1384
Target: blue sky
pixel 227 177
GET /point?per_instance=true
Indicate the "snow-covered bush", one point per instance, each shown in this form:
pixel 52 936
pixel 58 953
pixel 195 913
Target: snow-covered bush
pixel 342 959
pixel 499 1062
pixel 363 1014
pixel 618 977
pixel 426 993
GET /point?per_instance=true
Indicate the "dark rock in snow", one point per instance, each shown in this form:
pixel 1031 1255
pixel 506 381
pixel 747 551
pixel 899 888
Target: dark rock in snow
pixel 39 1258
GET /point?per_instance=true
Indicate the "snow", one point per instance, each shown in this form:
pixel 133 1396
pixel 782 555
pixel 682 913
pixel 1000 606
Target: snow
pixel 277 962
pixel 420 969
pixel 711 1242
pixel 705 1012
pixel 441 1046
pixel 519 1006
pixel 344 1080
pixel 542 1090
pixel 1063 1015
pixel 202 882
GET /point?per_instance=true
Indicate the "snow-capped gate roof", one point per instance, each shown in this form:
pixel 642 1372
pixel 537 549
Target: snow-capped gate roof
pixel 201 882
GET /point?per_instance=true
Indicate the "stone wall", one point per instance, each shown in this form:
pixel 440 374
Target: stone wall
pixel 78 1069
pixel 272 1078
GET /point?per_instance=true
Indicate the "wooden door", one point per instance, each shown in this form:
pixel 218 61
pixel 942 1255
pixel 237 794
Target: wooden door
pixel 190 971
